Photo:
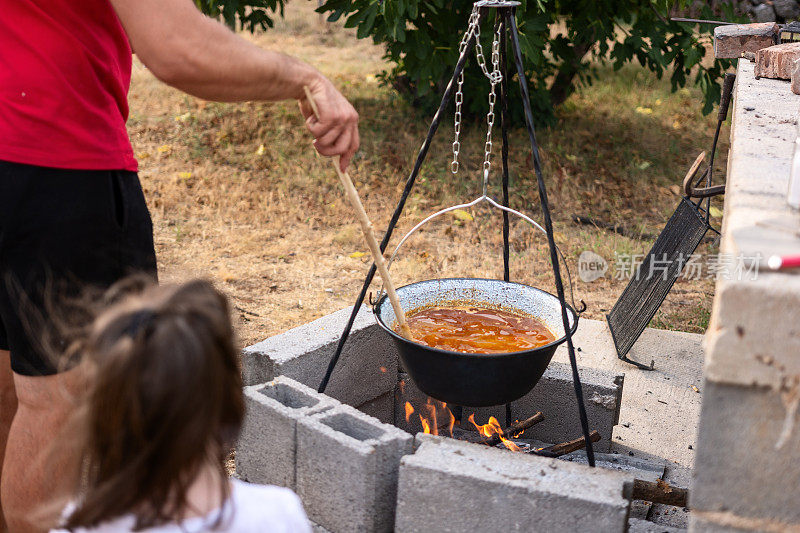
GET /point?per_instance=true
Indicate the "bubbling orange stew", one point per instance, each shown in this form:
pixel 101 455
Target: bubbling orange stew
pixel 476 329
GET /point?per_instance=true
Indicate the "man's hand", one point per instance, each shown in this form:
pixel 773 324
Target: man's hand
pixel 335 131
pixel 200 56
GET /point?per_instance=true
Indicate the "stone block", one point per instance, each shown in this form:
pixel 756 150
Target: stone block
pixel 452 486
pixel 796 77
pixel 266 450
pixel 347 468
pixel 554 396
pixel 367 367
pixel 777 61
pixel 786 9
pixel 381 408
pixel 764 13
pixel 738 467
pixel 731 41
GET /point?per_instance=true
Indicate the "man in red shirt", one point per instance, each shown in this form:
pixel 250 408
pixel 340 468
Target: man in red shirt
pixel 72 212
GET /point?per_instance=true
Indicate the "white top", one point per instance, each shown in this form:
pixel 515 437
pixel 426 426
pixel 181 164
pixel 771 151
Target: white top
pixel 250 509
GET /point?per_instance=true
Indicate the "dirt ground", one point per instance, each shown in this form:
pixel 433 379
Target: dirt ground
pixel 238 195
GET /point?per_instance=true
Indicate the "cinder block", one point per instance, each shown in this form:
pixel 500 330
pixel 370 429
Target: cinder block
pixel 267 444
pixel 381 408
pixel 367 367
pixel 347 467
pixel 554 396
pixel 753 337
pixel 738 467
pixel 636 525
pixel 452 486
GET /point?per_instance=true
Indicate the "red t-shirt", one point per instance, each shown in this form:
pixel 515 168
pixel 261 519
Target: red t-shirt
pixel 65 69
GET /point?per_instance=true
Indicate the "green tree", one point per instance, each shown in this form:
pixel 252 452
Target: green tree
pixel 561 40
pixel 250 14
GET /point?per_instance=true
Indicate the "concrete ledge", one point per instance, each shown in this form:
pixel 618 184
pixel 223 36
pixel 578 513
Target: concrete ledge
pixel 347 468
pixel 266 450
pixel 367 368
pixel 738 467
pixel 452 486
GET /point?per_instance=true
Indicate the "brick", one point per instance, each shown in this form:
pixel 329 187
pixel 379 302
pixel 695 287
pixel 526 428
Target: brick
pixel 347 468
pixel 731 41
pixel 266 450
pixel 367 367
pixel 554 396
pixel 737 466
pixel 452 486
pixel 777 61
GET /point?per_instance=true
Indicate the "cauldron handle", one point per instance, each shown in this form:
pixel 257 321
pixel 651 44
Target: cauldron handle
pixel 488 199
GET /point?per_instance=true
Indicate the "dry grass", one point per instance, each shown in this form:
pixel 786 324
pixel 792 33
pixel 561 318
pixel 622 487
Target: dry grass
pixel 271 227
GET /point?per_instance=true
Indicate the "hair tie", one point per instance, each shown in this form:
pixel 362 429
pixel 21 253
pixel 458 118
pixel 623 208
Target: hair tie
pixel 140 321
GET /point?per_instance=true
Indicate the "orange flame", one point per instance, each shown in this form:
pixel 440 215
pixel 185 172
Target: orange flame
pixel 493 428
pixel 432 419
pixel 409 411
pixel 426 428
pixel 452 421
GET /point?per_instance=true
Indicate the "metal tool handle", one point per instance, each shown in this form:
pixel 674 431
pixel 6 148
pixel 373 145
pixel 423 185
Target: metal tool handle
pixel 727 91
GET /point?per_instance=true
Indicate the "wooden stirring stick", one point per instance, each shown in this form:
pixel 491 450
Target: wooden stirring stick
pixel 366 227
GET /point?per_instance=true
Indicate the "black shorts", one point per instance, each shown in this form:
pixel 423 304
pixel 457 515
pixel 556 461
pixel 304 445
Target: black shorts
pixel 62 231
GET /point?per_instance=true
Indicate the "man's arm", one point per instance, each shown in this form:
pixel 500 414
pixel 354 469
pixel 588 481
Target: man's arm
pixel 200 56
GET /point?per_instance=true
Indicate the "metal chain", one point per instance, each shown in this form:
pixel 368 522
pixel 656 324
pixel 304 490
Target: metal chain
pixel 459 98
pixel 495 77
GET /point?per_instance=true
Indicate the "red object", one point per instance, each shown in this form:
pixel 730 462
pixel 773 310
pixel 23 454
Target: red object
pixel 777 262
pixel 65 68
pixel 790 261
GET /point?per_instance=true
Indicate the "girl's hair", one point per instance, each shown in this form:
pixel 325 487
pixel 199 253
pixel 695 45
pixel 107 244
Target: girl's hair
pixel 163 399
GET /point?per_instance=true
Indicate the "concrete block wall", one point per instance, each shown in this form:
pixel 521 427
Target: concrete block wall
pixel 740 478
pixel 344 461
pixel 453 486
pixel 747 466
pixel 366 370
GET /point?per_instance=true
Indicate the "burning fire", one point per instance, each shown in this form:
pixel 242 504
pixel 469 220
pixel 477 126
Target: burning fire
pixel 430 415
pixel 409 411
pixel 493 428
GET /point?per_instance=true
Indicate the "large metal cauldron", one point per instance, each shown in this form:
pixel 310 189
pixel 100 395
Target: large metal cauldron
pixel 476 380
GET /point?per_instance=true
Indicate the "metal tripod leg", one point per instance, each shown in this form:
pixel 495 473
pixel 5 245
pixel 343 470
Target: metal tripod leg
pixel 523 85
